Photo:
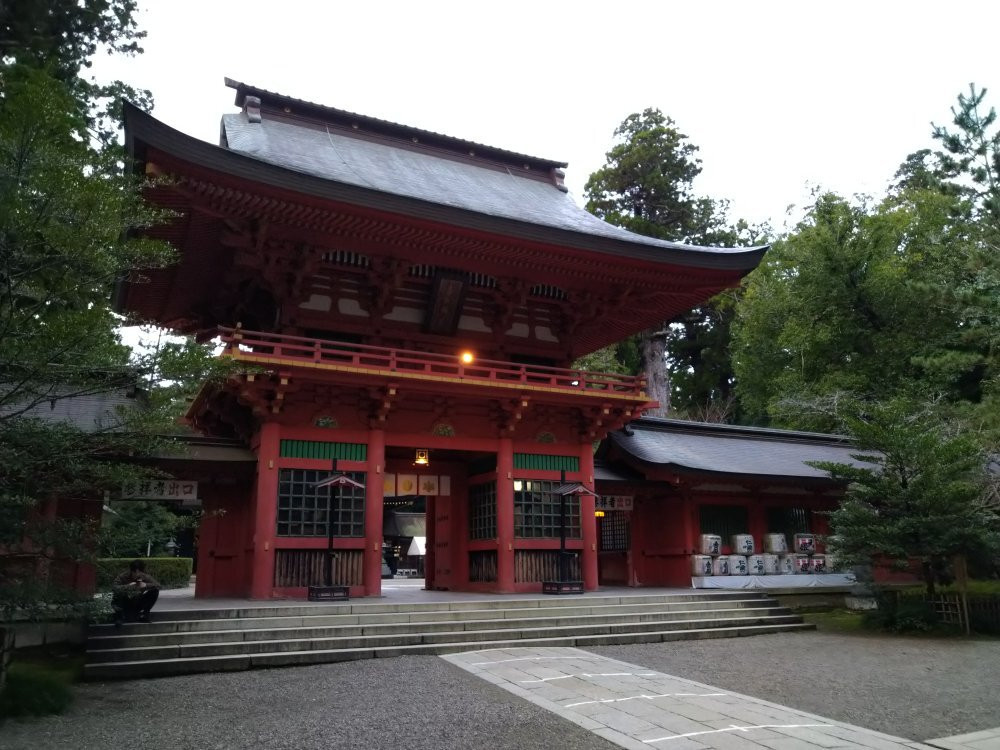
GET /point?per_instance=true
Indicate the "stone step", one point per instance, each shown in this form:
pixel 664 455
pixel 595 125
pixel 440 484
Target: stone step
pixel 142 638
pixel 363 617
pixel 367 607
pixel 415 638
pixel 191 665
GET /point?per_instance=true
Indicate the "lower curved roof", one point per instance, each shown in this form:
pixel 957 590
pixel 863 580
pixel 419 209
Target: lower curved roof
pixel 696 447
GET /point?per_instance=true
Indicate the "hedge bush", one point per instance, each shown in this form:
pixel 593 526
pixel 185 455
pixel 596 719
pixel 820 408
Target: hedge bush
pixel 34 690
pixel 171 572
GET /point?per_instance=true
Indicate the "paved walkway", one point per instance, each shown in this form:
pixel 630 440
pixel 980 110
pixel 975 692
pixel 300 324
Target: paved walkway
pixel 639 708
pixel 985 740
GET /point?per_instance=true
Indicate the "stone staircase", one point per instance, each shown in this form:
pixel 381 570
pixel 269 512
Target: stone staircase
pixel 184 642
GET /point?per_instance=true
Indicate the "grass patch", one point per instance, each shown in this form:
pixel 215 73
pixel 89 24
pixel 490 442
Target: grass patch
pixel 974 588
pixel 39 684
pixel 835 621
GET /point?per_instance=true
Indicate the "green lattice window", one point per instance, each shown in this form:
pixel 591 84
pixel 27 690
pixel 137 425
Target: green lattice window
pixel 302 507
pixel 613 531
pixel 724 520
pixel 788 521
pixel 483 511
pixel 536 510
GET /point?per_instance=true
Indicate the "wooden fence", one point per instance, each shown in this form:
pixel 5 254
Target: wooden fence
pixel 307 567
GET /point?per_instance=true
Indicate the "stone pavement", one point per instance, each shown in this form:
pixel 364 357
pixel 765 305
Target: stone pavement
pixel 639 708
pixel 988 739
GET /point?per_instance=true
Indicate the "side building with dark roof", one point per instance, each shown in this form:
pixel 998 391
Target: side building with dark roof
pixel 665 483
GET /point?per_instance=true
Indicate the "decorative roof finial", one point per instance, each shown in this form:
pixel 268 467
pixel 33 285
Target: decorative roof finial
pixel 251 105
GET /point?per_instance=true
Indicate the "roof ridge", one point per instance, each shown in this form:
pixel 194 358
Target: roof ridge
pixel 444 141
pixel 771 433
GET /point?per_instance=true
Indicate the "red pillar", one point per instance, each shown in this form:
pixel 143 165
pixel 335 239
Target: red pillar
pixel 460 533
pixel 588 522
pixel 505 516
pixel 265 511
pixel 372 577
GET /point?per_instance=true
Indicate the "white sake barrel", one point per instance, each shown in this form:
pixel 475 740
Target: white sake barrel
pixel 772 564
pixel 711 544
pixel 786 564
pixel 742 544
pixel 805 544
pixel 720 566
pixel 755 564
pixel 776 544
pixel 701 565
pixel 738 565
pixel 831 564
pixel 817 564
pixel 801 563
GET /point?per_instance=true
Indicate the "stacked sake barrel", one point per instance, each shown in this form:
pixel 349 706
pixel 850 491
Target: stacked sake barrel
pixel 776 559
pixel 710 561
pixel 806 558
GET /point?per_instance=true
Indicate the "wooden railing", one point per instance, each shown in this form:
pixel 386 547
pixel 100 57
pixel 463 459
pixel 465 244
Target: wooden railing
pixel 296 349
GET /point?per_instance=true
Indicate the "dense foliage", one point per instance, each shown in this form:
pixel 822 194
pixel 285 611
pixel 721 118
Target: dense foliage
pixel 69 215
pixel 921 491
pixel 874 299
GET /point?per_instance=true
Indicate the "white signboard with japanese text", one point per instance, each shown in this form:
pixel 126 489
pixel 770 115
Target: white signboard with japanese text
pixel 160 489
pixel 614 502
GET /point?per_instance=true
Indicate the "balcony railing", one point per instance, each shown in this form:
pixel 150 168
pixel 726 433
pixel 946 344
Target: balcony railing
pixel 278 348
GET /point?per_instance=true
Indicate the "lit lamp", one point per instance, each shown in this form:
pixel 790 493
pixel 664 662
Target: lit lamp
pixel 467 357
pixel 598 514
pixel 423 457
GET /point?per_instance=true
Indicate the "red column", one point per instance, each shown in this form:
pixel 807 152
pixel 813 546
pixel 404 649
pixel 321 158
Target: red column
pixel 265 511
pixel 588 522
pixel 460 533
pixel 505 516
pixel 372 577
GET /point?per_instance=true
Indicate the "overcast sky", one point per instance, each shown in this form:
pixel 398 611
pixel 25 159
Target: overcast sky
pixel 779 96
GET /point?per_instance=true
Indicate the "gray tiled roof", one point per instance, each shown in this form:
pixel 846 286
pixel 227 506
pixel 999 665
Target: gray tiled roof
pixel 386 167
pixel 722 449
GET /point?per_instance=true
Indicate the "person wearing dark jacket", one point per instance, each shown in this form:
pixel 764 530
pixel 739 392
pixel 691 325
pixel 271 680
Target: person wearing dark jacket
pixel 134 593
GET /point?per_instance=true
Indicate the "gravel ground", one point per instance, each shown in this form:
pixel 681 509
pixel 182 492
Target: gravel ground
pixel 917 688
pixel 410 702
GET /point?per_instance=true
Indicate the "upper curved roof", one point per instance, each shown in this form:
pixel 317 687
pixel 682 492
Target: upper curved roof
pixel 319 151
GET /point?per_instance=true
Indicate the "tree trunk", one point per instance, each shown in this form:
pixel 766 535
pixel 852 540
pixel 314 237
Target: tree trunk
pixel 6 652
pixel 929 577
pixel 654 367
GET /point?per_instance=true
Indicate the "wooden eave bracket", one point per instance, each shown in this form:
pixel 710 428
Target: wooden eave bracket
pixel 383 400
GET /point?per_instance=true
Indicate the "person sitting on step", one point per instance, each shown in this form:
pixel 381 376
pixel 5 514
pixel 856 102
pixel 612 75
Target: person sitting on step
pixel 135 593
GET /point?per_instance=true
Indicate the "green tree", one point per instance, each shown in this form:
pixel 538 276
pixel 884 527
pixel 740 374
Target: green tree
pixel 921 490
pixel 646 186
pixel 134 527
pixel 61 38
pixel 68 220
pixel 872 299
pixel 857 300
pixel 972 151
